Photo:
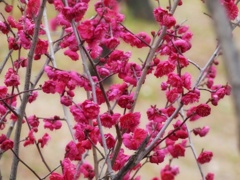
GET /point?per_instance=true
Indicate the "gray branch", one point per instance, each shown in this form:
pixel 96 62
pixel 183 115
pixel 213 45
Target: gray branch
pixel 23 105
pixel 231 58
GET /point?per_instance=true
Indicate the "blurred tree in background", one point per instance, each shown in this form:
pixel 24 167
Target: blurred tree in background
pixel 140 9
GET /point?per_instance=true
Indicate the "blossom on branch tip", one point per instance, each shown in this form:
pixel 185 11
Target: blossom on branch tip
pixel 177 150
pixel 191 96
pixel 76 12
pixel 181 45
pixel 219 92
pixel 4 28
pixel 133 140
pixel 173 95
pixel 110 141
pixel 3 110
pixel 205 157
pixel 156 115
pixel 203 110
pixel 55 176
pixel 210 176
pixel 153 128
pixel 164 18
pixel 111 42
pixel 130 121
pixel 183 29
pixel 43 141
pixel 5 143
pixel 3 91
pixel 33 7
pixel 78 114
pixel 41 47
pixel 33 96
pixel 66 100
pixel 8 8
pixel 131 73
pixel 169 173
pixel 144 39
pixel 126 101
pixel 116 90
pixel 69 169
pixel 139 40
pixel 109 120
pixel 33 121
pixel 30 138
pixel 168 20
pixel 21 62
pixel 174 80
pixel 52 123
pixel 201 131
pixel 86 29
pixel 49 87
pixel 87 171
pixel 12 43
pixel 59 20
pixel 3 137
pixel 120 160
pixel 191 112
pixel 12 78
pixel 179 60
pixel 158 156
pixel 231 8
pixel 12 22
pixel 72 54
pixel 90 109
pixel 164 68
pixel 74 151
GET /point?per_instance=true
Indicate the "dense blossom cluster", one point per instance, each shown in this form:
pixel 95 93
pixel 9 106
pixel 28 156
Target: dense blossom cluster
pixel 84 39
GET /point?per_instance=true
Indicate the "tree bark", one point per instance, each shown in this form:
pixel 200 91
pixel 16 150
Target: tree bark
pixel 230 53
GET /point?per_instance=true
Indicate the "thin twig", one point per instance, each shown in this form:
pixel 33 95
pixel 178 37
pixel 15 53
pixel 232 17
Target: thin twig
pixel 15 95
pixel 15 155
pixel 5 60
pixel 210 61
pixel 42 158
pixel 50 42
pixel 191 145
pixel 195 64
pixel 52 171
pixel 146 161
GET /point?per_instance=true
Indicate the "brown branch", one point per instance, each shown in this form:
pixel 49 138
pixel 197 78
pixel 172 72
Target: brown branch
pixel 5 60
pixel 15 155
pixel 42 158
pixel 52 171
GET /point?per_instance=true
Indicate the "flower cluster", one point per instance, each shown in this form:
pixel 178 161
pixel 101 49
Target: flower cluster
pixel 109 121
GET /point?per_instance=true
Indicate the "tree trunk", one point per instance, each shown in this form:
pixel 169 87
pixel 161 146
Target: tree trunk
pixel 141 9
pixel 230 52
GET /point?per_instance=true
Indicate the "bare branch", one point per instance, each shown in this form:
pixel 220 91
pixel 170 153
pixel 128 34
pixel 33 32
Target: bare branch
pixel 26 95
